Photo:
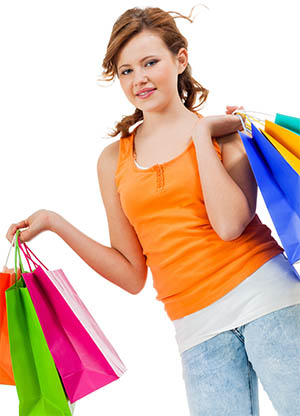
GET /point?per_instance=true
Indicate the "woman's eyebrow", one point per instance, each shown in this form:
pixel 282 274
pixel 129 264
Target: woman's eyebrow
pixel 146 57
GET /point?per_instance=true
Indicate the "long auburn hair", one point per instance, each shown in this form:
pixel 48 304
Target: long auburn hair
pixel 129 24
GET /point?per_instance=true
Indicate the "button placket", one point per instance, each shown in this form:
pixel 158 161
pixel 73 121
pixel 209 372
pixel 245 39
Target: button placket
pixel 159 177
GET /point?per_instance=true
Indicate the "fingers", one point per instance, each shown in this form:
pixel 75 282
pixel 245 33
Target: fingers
pixel 13 228
pixel 231 108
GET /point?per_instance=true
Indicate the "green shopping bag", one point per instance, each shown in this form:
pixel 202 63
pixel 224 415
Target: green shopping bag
pixel 38 383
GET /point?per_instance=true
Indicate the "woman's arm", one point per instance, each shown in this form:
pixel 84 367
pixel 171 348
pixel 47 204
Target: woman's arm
pixel 229 188
pixel 106 261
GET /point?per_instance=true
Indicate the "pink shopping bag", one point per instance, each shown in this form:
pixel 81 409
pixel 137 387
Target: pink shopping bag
pixel 84 357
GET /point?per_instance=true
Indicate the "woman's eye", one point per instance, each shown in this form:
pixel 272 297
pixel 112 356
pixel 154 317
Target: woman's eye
pixel 153 60
pixel 125 71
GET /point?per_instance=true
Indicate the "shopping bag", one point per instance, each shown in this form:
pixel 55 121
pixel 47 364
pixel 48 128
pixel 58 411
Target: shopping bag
pixel 84 357
pixel 284 132
pixel 280 155
pixel 291 123
pixel 286 141
pixel 285 176
pixel 283 148
pixel 287 138
pixel 7 279
pixel 38 384
pixel 279 202
pixel 6 372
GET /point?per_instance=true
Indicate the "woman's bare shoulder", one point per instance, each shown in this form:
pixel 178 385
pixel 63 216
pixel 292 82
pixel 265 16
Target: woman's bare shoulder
pixel 111 151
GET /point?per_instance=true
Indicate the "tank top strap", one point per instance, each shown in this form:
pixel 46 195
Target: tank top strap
pixel 125 146
pixel 123 149
pixel 217 147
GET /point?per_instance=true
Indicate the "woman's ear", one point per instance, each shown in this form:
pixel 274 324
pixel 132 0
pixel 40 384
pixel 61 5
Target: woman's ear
pixel 182 58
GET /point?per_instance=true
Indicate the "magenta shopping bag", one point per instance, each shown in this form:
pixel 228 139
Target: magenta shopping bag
pixel 84 357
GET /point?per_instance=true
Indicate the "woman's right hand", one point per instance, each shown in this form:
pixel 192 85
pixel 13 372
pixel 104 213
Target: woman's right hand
pixel 38 222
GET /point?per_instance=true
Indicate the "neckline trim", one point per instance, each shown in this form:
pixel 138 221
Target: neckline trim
pixel 156 166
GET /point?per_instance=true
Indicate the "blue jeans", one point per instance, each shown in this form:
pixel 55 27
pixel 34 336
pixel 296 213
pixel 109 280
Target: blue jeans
pixel 220 374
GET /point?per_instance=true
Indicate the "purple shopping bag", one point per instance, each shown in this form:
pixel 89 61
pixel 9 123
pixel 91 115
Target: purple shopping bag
pixel 84 357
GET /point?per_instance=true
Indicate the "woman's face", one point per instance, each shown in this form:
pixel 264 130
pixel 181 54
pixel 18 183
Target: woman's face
pixel 145 62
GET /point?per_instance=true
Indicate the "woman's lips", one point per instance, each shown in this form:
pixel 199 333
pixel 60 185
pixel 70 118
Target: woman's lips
pixel 146 95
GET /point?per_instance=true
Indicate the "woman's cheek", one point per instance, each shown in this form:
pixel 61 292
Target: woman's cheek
pixel 163 75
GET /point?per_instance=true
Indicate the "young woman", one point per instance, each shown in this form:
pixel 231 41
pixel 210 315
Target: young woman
pixel 180 197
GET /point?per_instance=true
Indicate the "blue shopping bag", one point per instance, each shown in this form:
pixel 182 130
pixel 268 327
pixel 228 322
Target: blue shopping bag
pixel 278 184
pixel 285 176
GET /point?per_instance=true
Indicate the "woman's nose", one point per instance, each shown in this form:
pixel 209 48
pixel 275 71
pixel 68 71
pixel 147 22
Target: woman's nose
pixel 140 77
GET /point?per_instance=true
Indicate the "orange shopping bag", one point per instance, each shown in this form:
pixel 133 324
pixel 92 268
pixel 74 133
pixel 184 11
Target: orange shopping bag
pixel 7 279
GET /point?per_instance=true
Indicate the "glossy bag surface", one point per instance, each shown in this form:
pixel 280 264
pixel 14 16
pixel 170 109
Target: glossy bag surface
pixel 38 383
pixel 279 184
pixel 6 372
pixel 286 142
pixel 84 357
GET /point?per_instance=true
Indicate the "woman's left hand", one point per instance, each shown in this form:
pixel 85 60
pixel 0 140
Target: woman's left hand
pixel 220 125
pixel 231 108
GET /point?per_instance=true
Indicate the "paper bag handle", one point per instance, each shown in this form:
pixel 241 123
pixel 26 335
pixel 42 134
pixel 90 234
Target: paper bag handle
pixel 28 256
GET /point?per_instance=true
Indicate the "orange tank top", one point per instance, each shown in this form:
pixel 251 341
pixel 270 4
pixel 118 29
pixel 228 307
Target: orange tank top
pixel 191 265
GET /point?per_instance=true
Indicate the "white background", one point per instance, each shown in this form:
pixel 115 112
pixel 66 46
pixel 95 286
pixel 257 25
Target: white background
pixel 54 123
